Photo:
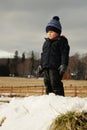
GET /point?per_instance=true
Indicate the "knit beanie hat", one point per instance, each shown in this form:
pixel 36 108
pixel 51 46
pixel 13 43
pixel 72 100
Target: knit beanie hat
pixel 54 25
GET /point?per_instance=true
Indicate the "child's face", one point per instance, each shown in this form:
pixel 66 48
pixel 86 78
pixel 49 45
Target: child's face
pixel 52 35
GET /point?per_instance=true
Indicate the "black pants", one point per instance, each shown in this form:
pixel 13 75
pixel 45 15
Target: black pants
pixel 53 83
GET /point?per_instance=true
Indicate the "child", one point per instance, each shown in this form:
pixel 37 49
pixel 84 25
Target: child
pixel 54 57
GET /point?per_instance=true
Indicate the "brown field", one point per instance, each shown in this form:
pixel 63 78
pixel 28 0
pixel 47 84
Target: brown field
pixel 13 86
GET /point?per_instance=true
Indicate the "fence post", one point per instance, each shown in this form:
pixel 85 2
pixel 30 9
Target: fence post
pixel 75 89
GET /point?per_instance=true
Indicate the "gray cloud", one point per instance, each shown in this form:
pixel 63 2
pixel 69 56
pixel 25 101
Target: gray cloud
pixel 22 23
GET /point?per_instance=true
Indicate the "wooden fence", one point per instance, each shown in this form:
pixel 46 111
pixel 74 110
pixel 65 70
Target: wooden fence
pixel 40 90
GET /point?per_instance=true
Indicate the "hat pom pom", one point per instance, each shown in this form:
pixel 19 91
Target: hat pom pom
pixel 56 18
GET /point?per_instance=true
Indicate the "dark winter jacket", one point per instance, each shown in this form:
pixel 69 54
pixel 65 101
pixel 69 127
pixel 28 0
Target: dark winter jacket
pixel 55 53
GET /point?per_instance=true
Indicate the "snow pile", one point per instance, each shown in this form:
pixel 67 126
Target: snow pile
pixel 37 112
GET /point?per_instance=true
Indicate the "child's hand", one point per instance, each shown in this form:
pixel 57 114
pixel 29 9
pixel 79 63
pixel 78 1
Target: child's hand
pixel 62 69
pixel 39 70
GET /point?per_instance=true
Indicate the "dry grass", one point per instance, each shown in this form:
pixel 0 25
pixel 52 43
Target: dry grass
pixel 35 86
pixel 2 120
pixel 75 83
pixel 70 121
pixel 13 81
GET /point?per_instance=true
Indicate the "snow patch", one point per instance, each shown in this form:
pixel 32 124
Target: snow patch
pixel 38 112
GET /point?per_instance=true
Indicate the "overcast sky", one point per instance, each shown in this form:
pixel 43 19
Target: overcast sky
pixel 23 22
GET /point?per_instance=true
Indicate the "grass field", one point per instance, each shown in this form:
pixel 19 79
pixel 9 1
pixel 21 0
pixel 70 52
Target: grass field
pixel 31 86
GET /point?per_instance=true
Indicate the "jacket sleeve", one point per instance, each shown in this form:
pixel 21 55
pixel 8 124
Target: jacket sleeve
pixel 65 48
pixel 41 59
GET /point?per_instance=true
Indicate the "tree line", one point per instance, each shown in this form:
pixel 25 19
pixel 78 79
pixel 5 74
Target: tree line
pixel 78 66
pixel 27 67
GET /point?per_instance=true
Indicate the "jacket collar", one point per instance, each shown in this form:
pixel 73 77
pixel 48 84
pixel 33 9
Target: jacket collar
pixel 47 39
